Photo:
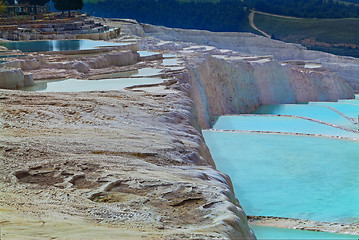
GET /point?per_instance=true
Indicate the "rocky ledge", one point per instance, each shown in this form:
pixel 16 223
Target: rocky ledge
pixel 128 162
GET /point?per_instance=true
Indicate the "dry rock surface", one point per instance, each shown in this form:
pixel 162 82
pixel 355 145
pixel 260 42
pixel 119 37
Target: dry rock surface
pixel 114 160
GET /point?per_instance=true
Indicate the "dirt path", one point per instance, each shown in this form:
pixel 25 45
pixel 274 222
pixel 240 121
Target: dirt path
pixel 251 23
pixel 274 15
pixel 251 20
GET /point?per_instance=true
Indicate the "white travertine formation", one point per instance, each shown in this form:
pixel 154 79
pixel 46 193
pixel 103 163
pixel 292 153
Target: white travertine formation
pixel 116 59
pixel 29 64
pixel 248 43
pixel 11 78
pixel 136 158
pixel 230 87
pixel 28 79
pixel 81 67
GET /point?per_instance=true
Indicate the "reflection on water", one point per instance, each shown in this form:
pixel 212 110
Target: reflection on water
pixel 290 176
pixel 265 233
pixel 57 45
pixel 76 85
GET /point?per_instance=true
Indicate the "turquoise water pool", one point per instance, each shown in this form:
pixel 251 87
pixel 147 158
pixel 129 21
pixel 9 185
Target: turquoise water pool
pixel 290 176
pixel 147 53
pixel 349 109
pixel 76 85
pixel 353 101
pixel 278 124
pixel 142 73
pixel 171 62
pixel 321 113
pixel 146 72
pixel 265 233
pixel 57 45
pixel 169 55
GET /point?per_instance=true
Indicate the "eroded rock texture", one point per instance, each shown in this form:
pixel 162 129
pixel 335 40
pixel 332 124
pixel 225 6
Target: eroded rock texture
pixel 130 159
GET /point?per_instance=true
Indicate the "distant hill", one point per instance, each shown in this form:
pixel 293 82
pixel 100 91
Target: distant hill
pixel 306 8
pixel 351 1
pixel 338 36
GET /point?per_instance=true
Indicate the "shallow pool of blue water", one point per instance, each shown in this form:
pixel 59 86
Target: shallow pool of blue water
pixel 266 233
pixel 169 55
pixel 317 112
pixel 147 53
pixel 290 176
pixel 349 109
pixel 76 85
pixel 171 62
pixel 57 45
pixel 278 124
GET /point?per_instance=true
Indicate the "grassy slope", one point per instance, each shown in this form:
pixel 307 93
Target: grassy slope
pixel 332 31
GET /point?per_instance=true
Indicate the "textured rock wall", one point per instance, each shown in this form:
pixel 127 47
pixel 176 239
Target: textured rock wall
pixel 132 160
pixel 251 44
pixel 230 87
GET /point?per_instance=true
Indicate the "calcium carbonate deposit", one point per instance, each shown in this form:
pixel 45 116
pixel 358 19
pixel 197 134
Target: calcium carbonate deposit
pixel 107 142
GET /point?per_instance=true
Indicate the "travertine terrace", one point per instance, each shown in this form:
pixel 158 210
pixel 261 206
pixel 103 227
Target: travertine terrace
pixel 132 163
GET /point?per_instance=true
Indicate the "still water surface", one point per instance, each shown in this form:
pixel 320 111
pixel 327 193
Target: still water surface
pixel 290 176
pixel 76 85
pixel 279 124
pixel 57 45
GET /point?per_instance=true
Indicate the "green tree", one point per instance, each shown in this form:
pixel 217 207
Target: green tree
pixel 77 4
pixel 2 7
pixel 61 5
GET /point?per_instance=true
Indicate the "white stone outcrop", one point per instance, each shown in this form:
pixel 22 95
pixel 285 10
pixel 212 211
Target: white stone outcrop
pixel 28 79
pixel 11 78
pixel 81 67
pixel 29 64
pixel 116 59
pixel 32 63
